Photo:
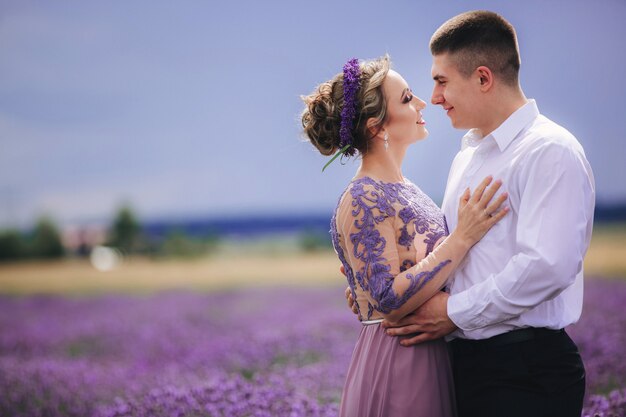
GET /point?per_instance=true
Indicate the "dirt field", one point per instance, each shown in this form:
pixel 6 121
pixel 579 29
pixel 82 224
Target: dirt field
pixel 607 252
pixel 606 257
pixel 145 275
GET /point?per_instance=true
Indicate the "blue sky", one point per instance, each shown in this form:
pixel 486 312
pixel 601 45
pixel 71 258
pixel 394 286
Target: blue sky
pixel 191 108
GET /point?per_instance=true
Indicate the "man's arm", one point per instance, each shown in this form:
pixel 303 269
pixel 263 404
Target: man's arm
pixel 554 226
pixel 554 221
pixel 348 294
pixel 428 322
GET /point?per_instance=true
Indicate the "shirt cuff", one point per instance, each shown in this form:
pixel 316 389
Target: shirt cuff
pixel 464 311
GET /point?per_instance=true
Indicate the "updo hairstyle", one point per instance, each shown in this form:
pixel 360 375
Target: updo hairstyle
pixel 321 118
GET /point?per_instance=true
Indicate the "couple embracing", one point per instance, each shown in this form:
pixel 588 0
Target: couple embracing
pixel 463 308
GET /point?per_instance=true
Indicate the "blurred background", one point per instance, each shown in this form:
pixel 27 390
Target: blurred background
pixel 154 144
pixel 153 179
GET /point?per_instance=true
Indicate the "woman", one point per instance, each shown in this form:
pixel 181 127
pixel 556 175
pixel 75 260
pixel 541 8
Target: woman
pixel 391 238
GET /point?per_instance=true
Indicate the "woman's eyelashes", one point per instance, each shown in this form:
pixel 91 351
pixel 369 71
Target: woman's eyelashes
pixel 407 97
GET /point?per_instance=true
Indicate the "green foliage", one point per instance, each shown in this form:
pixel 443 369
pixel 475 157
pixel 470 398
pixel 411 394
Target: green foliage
pixel 312 241
pixel 125 233
pixel 179 244
pixel 46 241
pixel 11 245
pixel 43 242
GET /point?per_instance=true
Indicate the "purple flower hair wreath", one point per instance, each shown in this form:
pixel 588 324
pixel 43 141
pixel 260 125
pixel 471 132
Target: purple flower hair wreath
pixel 351 84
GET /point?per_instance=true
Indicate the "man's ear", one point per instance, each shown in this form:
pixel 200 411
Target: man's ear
pixel 485 77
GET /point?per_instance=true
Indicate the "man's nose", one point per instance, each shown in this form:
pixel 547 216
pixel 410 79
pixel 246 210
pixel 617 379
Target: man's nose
pixel 436 98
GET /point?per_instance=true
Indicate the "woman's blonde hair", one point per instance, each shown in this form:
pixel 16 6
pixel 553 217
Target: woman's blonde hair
pixel 321 118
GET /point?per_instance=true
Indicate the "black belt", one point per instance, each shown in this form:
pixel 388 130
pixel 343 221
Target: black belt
pixel 504 339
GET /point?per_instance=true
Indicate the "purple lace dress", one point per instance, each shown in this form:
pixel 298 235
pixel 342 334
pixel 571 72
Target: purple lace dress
pixel 380 232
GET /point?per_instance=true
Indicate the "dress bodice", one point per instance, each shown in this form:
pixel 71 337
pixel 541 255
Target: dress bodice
pixel 379 230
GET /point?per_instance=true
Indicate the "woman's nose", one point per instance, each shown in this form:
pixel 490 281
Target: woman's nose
pixel 419 103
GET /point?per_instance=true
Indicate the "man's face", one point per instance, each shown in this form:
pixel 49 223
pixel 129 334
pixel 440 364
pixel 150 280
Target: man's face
pixel 459 96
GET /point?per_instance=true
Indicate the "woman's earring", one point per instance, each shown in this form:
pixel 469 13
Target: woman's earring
pixel 386 141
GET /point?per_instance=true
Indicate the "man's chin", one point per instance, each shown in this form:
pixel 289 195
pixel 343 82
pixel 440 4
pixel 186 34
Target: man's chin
pixel 459 125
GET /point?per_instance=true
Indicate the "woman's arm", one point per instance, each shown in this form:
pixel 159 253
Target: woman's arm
pixel 373 255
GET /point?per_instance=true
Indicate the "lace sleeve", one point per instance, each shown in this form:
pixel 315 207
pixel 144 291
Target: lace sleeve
pixel 371 251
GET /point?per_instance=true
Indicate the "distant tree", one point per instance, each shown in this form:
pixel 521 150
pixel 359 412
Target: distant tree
pixel 11 245
pixel 179 244
pixel 46 241
pixel 312 241
pixel 125 231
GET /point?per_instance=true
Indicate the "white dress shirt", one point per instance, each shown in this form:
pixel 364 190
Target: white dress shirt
pixel 527 270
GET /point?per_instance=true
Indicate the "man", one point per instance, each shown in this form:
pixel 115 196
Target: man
pixel 522 283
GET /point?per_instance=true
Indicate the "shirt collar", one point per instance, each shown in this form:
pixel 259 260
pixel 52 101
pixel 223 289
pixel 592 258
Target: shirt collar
pixel 508 130
pixel 472 138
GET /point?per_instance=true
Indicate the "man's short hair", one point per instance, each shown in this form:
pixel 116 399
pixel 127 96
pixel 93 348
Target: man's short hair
pixel 478 38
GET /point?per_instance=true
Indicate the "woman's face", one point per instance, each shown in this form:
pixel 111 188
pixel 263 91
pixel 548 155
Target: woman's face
pixel 404 124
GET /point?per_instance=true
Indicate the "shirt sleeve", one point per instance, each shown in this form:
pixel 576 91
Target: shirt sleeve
pixel 555 216
pixel 373 257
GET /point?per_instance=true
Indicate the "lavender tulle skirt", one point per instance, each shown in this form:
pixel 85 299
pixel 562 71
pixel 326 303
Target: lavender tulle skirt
pixel 386 379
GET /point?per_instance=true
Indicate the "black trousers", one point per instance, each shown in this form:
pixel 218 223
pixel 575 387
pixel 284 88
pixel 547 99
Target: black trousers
pixel 527 372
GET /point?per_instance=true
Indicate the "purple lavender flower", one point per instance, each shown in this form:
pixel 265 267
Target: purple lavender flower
pixel 227 354
pixel 351 83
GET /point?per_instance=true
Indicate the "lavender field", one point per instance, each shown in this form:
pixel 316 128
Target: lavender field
pixel 263 352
